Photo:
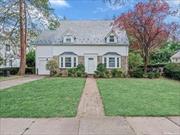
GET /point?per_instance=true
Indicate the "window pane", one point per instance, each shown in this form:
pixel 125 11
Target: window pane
pixel 67 61
pixel 7 47
pixel 111 62
pixel 68 40
pixel 61 61
pixel 117 62
pixel 74 61
pixel 111 39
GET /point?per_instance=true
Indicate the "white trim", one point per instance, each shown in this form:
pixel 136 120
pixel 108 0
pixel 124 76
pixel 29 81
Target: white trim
pixel 72 61
pixel 86 60
pixel 107 61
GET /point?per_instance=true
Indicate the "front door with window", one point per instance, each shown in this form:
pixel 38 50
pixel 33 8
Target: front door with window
pixel 90 63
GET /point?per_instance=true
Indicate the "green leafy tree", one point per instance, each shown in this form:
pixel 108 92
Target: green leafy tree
pixel 163 54
pixel 16 14
pixel 134 60
pixel 30 58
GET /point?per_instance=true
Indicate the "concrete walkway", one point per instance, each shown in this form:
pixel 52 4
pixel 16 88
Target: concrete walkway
pixel 90 103
pixel 90 126
pixel 90 120
pixel 18 81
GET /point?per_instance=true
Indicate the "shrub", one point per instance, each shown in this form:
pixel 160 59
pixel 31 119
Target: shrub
pixel 30 70
pixel 172 70
pixel 116 73
pixel 151 75
pixel 79 71
pixel 14 70
pixel 137 73
pixel 101 71
pixel 72 72
pixel 52 66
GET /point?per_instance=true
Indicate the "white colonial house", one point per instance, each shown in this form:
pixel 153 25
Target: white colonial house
pixel 83 42
pixel 176 57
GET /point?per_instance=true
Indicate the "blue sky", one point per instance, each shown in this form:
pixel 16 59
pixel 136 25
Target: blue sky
pixel 95 9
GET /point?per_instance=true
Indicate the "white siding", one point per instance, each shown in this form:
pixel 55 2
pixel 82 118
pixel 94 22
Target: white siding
pixel 50 51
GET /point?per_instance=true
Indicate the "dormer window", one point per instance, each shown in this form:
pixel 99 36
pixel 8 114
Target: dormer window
pixel 68 39
pixel 111 39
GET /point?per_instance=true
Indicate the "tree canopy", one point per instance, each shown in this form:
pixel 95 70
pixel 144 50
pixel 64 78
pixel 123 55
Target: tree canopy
pixel 146 26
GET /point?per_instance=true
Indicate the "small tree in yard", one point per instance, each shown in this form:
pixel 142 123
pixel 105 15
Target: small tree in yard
pixel 52 66
pixel 146 26
pixel 1 60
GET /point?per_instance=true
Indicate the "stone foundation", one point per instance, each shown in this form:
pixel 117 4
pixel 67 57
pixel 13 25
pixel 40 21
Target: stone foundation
pixel 124 63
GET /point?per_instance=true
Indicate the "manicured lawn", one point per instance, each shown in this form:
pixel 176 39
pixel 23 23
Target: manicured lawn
pixel 50 97
pixel 140 97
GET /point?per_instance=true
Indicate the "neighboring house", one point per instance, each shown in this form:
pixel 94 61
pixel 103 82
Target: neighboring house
pixel 176 57
pixel 83 42
pixel 9 55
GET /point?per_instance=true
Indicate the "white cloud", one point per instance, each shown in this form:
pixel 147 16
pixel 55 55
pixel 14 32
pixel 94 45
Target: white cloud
pixel 61 3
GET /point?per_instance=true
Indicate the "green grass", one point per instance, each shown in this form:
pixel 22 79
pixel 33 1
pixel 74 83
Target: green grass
pixel 140 97
pixel 50 97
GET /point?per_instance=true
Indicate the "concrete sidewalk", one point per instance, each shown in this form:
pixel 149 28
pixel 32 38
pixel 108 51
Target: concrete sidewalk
pixel 90 126
pixel 18 81
pixel 90 103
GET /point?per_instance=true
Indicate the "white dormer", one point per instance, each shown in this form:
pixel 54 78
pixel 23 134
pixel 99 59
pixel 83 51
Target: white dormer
pixel 111 38
pixel 68 39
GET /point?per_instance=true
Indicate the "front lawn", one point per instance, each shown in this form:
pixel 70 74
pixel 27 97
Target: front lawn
pixel 50 97
pixel 140 97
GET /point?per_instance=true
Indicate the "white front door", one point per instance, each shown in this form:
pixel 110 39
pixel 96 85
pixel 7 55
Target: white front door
pixel 90 63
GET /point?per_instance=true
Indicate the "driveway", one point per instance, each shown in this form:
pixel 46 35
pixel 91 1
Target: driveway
pixel 18 81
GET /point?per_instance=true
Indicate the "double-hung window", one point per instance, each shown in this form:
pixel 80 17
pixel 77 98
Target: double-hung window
pixel 112 62
pixel 68 62
pixel 111 39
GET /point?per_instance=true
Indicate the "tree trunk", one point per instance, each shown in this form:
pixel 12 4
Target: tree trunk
pixel 22 18
pixel 145 63
pixel 146 59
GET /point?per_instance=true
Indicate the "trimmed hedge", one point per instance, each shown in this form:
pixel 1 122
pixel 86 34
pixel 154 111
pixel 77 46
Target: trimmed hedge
pixel 14 70
pixel 172 70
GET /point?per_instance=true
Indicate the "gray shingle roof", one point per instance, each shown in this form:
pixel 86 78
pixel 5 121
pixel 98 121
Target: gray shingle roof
pixel 84 32
pixel 68 53
pixel 177 55
pixel 111 53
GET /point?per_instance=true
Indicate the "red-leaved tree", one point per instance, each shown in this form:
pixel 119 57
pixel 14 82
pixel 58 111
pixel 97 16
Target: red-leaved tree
pixel 146 26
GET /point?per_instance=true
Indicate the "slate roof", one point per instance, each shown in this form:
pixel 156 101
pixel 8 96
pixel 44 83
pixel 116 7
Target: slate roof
pixel 176 55
pixel 84 33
